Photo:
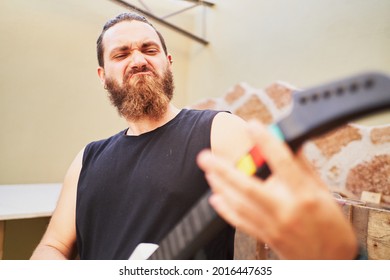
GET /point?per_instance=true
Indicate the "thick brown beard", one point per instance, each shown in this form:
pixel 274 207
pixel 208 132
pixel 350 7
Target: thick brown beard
pixel 142 96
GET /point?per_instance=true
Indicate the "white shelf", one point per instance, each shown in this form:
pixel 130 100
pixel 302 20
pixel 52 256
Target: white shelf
pixel 28 200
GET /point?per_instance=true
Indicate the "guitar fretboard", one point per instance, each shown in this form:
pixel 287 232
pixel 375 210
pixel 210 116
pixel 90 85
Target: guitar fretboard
pixel 195 230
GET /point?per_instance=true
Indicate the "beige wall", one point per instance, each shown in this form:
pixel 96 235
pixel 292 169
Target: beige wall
pixel 304 42
pixel 51 100
pixel 52 103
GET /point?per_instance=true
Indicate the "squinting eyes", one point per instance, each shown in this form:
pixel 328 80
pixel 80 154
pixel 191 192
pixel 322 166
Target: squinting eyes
pixel 148 52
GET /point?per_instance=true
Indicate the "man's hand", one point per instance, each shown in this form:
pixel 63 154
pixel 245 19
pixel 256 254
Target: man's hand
pixel 292 211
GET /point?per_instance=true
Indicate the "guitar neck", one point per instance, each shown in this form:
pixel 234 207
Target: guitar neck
pixel 195 229
pixel 320 109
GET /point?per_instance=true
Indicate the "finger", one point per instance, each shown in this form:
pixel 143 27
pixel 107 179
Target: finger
pixel 212 164
pixel 251 221
pixel 276 153
pixel 234 185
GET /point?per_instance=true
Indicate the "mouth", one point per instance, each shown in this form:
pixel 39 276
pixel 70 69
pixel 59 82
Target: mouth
pixel 139 73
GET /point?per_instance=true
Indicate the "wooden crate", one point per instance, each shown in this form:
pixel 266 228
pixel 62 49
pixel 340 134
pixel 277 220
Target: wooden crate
pixel 371 224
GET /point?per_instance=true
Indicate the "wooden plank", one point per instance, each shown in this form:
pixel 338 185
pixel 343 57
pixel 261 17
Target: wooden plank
pixel 371 225
pixel 261 251
pixel 378 235
pixel 359 220
pixel 265 253
pixel 347 211
pixel 244 246
pixel 248 248
pixel 2 229
pixel 371 197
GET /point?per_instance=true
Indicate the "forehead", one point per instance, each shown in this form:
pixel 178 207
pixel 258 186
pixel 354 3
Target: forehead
pixel 128 33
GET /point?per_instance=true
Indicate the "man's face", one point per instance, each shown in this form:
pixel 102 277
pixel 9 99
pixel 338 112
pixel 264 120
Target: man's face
pixel 136 70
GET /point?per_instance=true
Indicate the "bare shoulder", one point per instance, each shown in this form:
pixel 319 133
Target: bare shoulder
pixel 230 136
pixel 67 198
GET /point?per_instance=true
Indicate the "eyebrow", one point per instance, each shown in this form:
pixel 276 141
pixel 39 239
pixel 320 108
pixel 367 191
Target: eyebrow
pixel 150 44
pixel 119 49
pixel 127 48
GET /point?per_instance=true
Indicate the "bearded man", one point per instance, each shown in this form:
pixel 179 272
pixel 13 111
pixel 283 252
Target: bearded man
pixel 135 186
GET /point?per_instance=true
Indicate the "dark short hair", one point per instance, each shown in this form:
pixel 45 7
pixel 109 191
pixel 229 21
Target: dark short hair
pixel 123 17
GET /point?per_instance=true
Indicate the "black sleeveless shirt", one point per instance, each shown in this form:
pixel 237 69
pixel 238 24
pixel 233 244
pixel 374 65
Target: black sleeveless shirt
pixel 134 189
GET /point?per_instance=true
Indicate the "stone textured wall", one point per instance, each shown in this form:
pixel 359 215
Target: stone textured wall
pixel 351 159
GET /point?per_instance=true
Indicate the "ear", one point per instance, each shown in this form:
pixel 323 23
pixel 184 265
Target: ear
pixel 169 56
pixel 102 75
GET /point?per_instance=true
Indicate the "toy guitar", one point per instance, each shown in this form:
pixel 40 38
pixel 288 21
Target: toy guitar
pixel 314 112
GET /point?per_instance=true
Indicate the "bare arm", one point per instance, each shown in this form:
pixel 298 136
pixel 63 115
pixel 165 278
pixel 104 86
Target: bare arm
pixel 230 137
pixel 292 211
pixel 59 239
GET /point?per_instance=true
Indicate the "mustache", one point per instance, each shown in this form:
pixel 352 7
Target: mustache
pixel 136 70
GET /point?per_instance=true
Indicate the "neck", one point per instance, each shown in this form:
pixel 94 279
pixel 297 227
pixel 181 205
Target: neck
pixel 147 124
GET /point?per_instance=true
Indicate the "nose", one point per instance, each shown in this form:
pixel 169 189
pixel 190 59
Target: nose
pixel 138 60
